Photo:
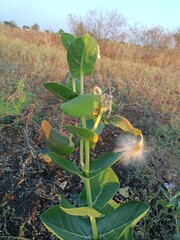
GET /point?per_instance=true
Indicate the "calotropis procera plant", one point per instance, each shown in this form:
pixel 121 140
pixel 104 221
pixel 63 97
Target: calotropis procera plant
pixel 97 215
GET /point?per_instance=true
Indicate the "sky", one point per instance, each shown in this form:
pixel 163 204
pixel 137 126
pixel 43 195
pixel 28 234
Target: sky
pixel 52 14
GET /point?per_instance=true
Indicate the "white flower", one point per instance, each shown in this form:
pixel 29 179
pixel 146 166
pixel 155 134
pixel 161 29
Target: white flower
pixel 132 148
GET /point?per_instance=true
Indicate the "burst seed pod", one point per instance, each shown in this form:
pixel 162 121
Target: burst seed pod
pixel 56 141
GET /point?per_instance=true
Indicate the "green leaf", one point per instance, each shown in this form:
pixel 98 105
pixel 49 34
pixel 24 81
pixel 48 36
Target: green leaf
pixel 177 212
pixel 83 133
pixel 66 39
pixel 110 206
pixel 60 90
pixel 174 200
pixel 124 124
pixel 56 141
pixel 114 225
pixel 81 106
pixel 81 211
pixel 127 235
pixel 165 192
pixel 103 188
pixel 164 203
pixel 66 164
pixel 103 162
pixel 82 55
pixel 176 195
pixel 65 226
pixel 176 236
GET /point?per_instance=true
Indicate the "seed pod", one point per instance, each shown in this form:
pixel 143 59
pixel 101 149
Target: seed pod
pixel 124 124
pixel 56 141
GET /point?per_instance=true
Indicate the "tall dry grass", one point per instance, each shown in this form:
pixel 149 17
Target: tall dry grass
pixel 30 36
pixel 147 75
pixel 19 50
pixel 158 57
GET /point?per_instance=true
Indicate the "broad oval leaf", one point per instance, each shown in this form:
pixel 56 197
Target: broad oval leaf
pixel 65 226
pixel 83 133
pixel 66 164
pixel 103 188
pixel 60 90
pixel 82 55
pixel 124 124
pixel 56 141
pixel 103 162
pixel 81 211
pixel 66 39
pixel 81 106
pixel 115 224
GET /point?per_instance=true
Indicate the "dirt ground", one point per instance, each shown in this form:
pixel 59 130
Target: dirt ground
pixel 29 185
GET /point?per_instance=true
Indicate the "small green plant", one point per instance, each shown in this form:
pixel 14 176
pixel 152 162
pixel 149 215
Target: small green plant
pixel 15 103
pixel 97 215
pixel 173 203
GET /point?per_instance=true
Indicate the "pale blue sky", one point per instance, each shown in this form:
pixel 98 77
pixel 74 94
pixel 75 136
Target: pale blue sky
pixel 52 14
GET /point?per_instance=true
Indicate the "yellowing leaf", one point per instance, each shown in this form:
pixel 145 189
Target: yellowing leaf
pixel 45 158
pixel 124 124
pixel 56 141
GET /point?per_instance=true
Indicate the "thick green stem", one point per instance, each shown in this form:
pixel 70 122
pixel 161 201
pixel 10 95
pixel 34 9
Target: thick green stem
pixel 90 204
pixel 74 84
pixel 83 122
pixel 82 155
pixel 88 189
pixel 81 83
pixel 85 167
pixel 94 227
pixel 87 156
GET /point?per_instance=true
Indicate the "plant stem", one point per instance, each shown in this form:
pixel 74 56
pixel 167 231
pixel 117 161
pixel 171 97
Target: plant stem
pixel 87 155
pixel 90 204
pixel 83 122
pixel 85 167
pixel 74 84
pixel 81 82
pixel 82 155
pixel 88 189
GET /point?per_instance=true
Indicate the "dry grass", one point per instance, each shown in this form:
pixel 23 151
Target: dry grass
pixel 158 57
pixel 149 76
pixel 39 38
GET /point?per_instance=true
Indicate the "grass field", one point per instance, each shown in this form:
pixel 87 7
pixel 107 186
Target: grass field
pixel 147 83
